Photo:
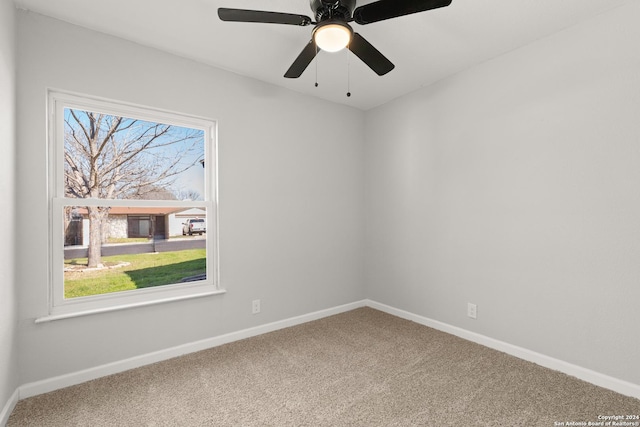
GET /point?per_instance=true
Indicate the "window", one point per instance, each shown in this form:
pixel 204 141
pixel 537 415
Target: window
pixel 133 214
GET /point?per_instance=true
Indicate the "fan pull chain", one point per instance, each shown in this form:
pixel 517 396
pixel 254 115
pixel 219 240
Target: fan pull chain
pixel 348 70
pixel 316 58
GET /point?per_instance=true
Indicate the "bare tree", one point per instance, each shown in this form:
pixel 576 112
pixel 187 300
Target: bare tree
pixel 159 193
pixel 187 195
pixel 111 157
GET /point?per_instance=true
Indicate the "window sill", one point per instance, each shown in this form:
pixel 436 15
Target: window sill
pixel 53 317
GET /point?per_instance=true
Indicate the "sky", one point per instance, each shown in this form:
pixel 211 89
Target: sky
pixel 163 150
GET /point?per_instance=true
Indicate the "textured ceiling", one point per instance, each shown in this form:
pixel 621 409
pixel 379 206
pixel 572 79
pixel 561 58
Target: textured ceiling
pixel 424 47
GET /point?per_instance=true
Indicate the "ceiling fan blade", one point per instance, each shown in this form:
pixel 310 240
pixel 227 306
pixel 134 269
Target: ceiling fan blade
pixel 387 9
pixel 243 15
pixel 370 55
pixel 302 61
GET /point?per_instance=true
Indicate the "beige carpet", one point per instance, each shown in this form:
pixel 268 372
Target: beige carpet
pixel 361 368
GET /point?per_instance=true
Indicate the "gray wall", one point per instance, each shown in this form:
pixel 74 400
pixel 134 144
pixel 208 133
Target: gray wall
pixel 8 302
pixel 515 185
pixel 291 198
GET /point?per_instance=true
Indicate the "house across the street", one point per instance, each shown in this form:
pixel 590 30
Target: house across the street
pixel 130 222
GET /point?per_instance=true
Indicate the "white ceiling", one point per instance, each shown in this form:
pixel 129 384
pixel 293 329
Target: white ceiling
pixel 424 47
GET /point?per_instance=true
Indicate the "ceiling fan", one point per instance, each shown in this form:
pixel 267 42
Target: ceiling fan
pixel 332 31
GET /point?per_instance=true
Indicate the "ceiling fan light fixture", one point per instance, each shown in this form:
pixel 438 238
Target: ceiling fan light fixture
pixel 332 37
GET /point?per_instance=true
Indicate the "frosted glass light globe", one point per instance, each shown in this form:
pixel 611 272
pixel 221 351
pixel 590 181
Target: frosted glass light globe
pixel 332 37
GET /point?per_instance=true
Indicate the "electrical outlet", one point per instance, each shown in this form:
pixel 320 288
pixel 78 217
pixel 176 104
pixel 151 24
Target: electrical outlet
pixel 472 310
pixel 255 306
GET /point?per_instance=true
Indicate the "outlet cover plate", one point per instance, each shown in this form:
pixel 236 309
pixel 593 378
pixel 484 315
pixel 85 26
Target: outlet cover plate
pixel 472 310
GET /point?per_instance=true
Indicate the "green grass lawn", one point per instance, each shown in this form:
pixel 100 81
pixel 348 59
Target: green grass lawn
pixel 145 270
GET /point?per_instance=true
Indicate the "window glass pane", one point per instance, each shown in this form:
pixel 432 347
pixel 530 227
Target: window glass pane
pixel 132 199
pixel 138 246
pixel 114 157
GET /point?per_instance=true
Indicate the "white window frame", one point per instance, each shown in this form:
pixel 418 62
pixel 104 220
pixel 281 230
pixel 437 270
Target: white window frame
pixel 61 307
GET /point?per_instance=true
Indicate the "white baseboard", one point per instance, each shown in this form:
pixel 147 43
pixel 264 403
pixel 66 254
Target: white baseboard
pixel 55 383
pixel 611 383
pixel 8 407
pixel 73 378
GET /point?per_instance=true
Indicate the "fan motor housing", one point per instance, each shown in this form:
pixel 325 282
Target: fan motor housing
pixel 332 9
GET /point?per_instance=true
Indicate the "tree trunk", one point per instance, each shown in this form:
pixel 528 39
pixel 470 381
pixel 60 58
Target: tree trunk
pixel 95 236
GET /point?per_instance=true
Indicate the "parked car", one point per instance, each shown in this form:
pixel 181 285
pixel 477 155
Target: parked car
pixel 194 225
